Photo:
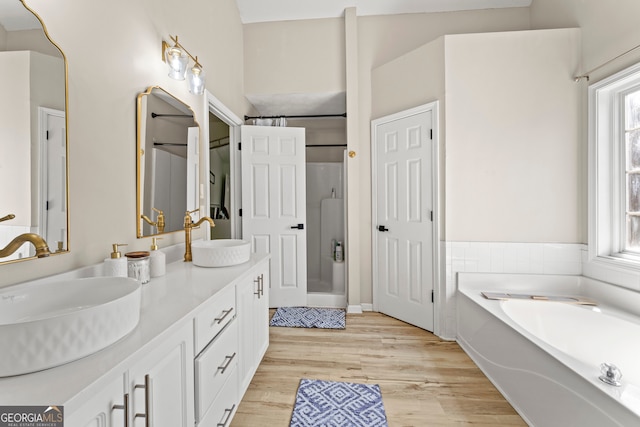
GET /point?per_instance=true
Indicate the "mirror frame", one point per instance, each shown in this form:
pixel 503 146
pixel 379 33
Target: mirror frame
pixel 67 249
pixel 140 153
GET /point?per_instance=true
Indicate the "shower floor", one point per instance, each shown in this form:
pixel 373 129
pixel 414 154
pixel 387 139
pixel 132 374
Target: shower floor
pixel 319 295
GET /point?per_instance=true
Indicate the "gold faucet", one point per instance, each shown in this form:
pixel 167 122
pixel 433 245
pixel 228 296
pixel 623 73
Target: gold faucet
pixel 42 250
pixel 7 217
pixel 159 223
pixel 188 225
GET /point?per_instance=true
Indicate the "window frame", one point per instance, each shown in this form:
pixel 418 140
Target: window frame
pixel 607 174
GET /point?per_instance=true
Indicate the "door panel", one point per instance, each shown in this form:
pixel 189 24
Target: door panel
pixel 404 204
pixel 274 199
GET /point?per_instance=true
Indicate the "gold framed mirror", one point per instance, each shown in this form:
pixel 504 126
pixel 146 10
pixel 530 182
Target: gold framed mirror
pixel 33 137
pixel 167 162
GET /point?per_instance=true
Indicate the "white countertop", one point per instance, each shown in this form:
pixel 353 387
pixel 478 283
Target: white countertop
pixel 165 301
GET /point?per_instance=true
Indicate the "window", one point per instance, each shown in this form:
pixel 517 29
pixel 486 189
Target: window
pixel 631 106
pixel 614 169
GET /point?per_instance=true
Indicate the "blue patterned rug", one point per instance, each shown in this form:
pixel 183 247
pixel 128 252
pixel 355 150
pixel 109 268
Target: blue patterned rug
pixel 309 317
pixel 338 404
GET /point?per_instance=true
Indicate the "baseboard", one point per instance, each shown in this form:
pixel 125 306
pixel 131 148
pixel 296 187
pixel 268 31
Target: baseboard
pixel 354 309
pixel 359 308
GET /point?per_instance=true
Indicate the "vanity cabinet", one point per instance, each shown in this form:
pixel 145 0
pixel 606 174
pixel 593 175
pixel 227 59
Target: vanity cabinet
pixel 215 365
pixel 161 384
pixel 201 336
pixel 156 391
pixel 104 407
pixel 253 313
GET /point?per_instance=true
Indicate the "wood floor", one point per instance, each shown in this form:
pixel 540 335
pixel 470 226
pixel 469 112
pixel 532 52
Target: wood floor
pixel 424 381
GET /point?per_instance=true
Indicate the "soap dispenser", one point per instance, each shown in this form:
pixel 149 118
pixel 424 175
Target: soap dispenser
pixel 157 259
pixel 116 265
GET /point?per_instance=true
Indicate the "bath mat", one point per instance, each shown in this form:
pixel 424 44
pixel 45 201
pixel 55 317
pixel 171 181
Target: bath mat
pixel 309 317
pixel 338 404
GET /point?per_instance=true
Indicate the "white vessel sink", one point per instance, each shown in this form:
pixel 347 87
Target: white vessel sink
pixel 220 252
pixel 48 324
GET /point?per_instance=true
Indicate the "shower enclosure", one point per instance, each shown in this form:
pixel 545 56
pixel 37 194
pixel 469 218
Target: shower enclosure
pixel 326 271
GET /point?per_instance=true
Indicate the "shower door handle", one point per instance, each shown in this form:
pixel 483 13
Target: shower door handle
pixel 382 228
pixel 298 227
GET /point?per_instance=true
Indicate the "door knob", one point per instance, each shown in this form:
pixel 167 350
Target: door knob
pixel 299 227
pixel 382 228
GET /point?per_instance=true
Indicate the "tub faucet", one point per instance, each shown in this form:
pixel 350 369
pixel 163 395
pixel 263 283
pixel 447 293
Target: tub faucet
pixel 42 249
pixel 188 226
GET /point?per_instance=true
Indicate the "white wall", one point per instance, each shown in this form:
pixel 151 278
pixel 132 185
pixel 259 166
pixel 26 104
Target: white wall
pixel 310 58
pixel 512 121
pixel 114 52
pixel 509 138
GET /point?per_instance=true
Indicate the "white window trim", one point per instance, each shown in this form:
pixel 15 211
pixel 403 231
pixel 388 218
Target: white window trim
pixel 604 262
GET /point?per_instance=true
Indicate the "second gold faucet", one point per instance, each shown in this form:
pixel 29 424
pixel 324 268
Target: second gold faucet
pixel 188 226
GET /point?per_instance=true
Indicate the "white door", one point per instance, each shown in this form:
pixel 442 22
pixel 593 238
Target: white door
pixel 274 207
pixel 54 209
pixel 403 254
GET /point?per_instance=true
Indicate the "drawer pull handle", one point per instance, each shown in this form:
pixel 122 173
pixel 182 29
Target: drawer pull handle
pixel 126 409
pixel 220 319
pixel 230 411
pixel 224 366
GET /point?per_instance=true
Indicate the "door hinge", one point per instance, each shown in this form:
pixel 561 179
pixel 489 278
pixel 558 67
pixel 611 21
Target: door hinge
pixel 431 216
pixel 47 207
pixel 239 146
pixel 432 296
pixel 240 212
pixel 430 133
pixel 47 135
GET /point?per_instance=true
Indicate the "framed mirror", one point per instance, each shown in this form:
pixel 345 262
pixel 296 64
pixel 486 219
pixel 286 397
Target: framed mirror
pixel 167 153
pixel 33 134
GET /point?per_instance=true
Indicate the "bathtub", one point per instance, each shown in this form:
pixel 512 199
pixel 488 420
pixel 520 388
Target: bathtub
pixel 545 357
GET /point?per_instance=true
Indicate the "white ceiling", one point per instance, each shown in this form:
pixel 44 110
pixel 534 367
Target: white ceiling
pixel 285 10
pixel 252 11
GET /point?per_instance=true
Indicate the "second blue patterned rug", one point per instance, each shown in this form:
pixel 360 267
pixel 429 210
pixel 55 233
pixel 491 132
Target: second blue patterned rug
pixel 309 317
pixel 338 404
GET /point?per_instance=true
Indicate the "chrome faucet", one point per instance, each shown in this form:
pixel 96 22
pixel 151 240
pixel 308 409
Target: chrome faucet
pixel 42 249
pixel 188 225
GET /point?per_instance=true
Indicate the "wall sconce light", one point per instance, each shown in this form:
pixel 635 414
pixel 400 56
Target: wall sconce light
pixel 177 58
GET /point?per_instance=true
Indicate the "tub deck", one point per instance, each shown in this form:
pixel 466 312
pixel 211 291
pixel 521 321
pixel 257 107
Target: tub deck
pixel 545 385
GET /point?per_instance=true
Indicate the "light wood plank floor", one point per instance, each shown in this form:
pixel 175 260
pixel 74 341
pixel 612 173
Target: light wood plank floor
pixel 424 381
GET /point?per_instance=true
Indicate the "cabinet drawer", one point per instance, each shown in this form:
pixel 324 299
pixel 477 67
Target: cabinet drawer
pixel 215 316
pixel 214 366
pixel 225 405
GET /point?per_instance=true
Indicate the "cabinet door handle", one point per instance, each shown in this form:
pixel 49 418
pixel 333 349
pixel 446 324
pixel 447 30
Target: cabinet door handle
pixel 262 284
pixel 257 282
pixel 126 409
pixel 224 366
pixel 146 415
pixel 228 417
pixel 220 319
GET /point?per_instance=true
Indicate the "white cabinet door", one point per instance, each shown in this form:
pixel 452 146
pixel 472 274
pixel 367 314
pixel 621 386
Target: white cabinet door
pixel 162 386
pixel 105 407
pixel 253 322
